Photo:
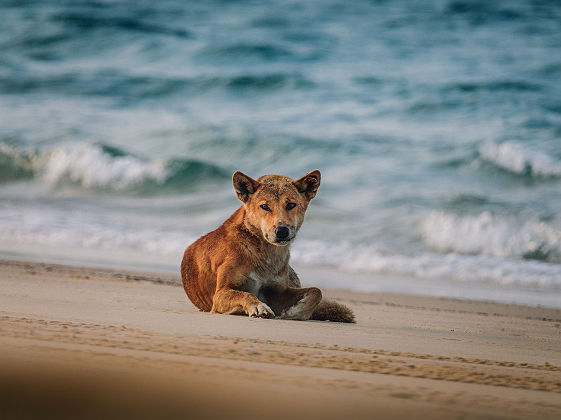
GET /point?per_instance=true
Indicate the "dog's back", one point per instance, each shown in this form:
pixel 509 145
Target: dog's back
pixel 201 259
pixel 198 282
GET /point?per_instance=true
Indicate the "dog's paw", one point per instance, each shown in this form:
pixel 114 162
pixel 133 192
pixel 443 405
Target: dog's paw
pixel 261 310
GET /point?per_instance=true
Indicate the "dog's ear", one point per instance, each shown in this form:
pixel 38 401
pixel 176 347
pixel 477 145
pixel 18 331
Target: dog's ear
pixel 309 184
pixel 244 185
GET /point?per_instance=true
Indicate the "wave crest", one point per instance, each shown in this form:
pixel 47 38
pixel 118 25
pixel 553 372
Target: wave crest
pixel 90 167
pixel 492 235
pixel 516 158
pixel 101 167
pixel 429 265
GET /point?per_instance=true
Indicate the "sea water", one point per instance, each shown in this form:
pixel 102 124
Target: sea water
pixel 436 125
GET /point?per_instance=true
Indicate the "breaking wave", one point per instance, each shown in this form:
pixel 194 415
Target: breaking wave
pixel 102 167
pixel 430 265
pixel 492 235
pixel 519 159
pixel 52 230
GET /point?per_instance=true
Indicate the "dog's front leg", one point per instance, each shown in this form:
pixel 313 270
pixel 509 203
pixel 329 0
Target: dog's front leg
pixel 231 298
pixel 230 301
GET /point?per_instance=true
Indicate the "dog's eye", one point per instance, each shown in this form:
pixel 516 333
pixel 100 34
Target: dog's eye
pixel 265 207
pixel 290 206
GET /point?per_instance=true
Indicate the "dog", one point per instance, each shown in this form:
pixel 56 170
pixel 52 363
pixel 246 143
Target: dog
pixel 243 266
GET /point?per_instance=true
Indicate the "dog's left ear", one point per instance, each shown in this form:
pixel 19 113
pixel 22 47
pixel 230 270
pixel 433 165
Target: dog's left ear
pixel 309 184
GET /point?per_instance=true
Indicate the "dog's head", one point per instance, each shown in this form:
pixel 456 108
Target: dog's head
pixel 275 204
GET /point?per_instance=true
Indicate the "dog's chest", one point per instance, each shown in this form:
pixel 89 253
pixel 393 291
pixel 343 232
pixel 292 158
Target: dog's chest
pixel 257 282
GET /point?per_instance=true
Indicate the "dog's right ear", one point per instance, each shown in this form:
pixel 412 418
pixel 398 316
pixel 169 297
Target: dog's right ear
pixel 244 185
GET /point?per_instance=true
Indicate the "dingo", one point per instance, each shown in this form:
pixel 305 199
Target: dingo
pixel 242 267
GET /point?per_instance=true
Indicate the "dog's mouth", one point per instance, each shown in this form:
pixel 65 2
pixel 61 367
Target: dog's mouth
pixel 282 242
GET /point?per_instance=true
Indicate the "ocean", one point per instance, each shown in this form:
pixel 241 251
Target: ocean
pixel 436 126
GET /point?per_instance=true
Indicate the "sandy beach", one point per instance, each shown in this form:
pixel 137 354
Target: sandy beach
pixel 84 342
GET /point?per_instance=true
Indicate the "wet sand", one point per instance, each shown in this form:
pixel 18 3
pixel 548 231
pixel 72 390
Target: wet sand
pixel 84 342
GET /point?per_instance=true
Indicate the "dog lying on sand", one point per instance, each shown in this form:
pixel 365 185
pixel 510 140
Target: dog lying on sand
pixel 242 267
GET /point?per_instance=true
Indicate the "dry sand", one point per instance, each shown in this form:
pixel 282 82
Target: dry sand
pixel 90 343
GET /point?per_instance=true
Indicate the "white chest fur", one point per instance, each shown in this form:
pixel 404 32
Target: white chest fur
pixel 257 282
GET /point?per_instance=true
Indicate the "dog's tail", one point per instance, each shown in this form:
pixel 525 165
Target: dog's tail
pixel 328 310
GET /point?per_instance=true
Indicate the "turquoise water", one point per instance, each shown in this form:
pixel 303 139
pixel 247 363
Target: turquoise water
pixel 436 125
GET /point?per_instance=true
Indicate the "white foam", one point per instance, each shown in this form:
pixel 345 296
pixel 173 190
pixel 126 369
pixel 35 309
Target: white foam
pixel 487 234
pixel 452 267
pixel 69 233
pixel 13 153
pixel 514 157
pixel 88 166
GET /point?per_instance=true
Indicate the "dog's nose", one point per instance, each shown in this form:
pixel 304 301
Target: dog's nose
pixel 282 232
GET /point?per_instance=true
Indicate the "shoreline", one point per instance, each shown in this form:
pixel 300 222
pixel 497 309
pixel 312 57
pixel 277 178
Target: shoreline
pixel 442 357
pixel 330 278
